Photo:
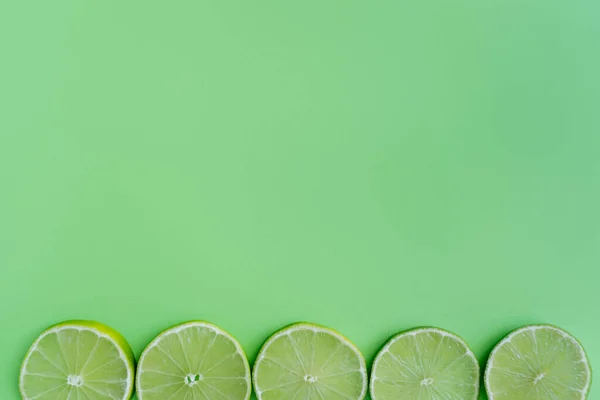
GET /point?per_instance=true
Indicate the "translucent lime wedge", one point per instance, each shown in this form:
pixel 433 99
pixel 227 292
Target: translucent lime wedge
pixel 425 364
pixel 305 361
pixel 193 361
pixel 78 360
pixel 538 362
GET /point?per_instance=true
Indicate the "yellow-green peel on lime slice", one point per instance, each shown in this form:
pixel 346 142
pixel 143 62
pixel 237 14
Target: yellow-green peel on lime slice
pixel 425 364
pixel 306 361
pixel 193 361
pixel 538 362
pixel 77 360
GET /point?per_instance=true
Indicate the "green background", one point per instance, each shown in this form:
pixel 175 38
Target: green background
pixel 367 165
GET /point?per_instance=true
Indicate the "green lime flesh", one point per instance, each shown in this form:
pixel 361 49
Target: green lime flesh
pixel 426 364
pixel 538 362
pixel 78 360
pixel 193 361
pixel 306 361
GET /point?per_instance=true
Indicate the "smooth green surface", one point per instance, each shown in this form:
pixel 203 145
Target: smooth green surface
pixel 539 361
pixel 372 166
pixel 425 364
pixel 306 361
pixel 194 360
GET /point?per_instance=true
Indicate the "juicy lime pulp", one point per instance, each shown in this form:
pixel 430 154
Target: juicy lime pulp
pixel 427 364
pixel 305 361
pixel 538 362
pixel 194 360
pixel 76 360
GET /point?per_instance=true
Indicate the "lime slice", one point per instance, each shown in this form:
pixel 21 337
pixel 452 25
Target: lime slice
pixel 193 361
pixel 425 363
pixel 305 361
pixel 538 362
pixel 78 360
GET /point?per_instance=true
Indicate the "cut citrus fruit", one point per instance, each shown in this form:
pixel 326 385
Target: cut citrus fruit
pixel 78 360
pixel 538 362
pixel 193 361
pixel 426 364
pixel 305 361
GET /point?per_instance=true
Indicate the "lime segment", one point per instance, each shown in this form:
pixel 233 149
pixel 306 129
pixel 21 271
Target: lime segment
pixel 426 364
pixel 78 360
pixel 305 361
pixel 193 361
pixel 538 362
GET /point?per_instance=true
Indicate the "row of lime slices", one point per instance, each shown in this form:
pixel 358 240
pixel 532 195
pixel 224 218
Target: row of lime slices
pixel 84 360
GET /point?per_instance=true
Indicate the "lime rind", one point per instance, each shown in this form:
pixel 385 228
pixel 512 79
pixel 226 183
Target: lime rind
pixel 414 332
pixel 99 329
pixel 201 324
pixel 585 391
pixel 299 326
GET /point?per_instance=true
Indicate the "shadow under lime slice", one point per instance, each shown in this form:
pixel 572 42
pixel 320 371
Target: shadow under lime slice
pixel 194 360
pixel 426 364
pixel 538 362
pixel 78 360
pixel 306 361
